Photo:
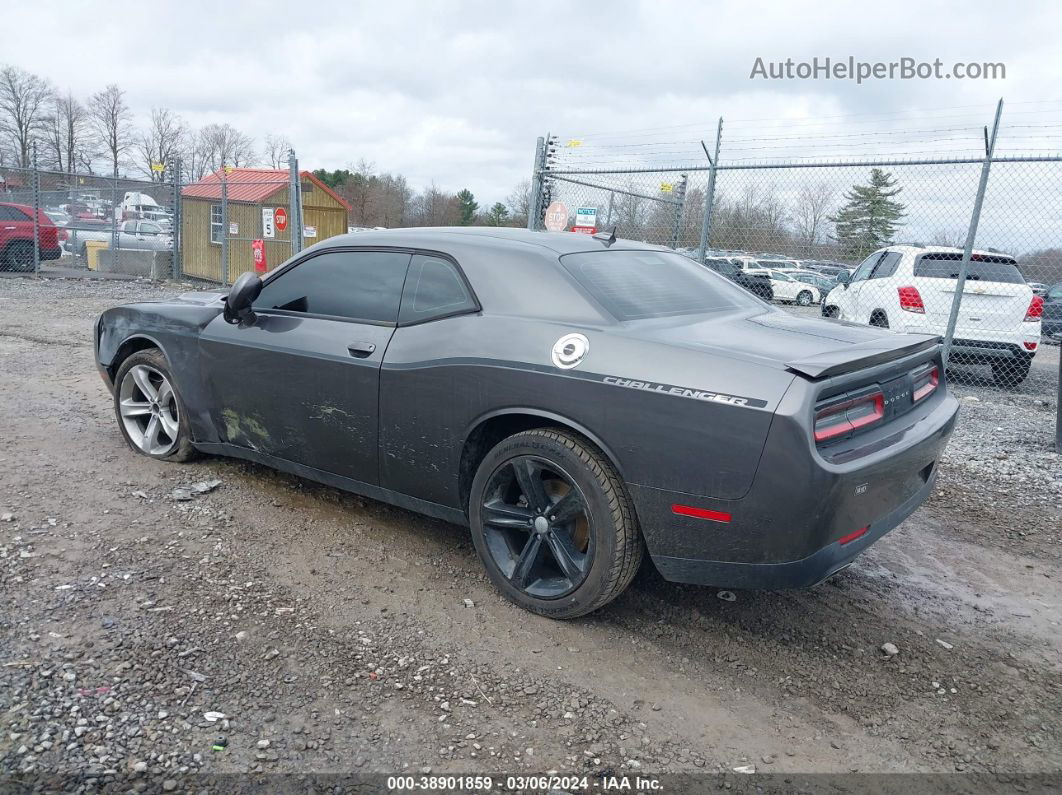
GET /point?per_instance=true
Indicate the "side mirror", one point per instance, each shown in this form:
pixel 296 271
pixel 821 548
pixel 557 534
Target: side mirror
pixel 844 279
pixel 240 298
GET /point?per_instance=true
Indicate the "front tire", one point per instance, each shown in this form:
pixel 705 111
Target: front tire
pixel 149 410
pixel 553 524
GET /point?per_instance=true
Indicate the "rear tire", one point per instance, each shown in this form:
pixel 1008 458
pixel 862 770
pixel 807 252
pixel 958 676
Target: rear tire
pixel 564 568
pixel 830 311
pixel 804 298
pixel 17 257
pixel 879 319
pixel 1010 374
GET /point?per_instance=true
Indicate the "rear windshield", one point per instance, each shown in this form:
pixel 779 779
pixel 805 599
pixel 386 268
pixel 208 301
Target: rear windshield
pixel 984 268
pixel 636 285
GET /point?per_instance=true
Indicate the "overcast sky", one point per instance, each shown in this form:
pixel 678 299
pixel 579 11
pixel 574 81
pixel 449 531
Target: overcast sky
pixel 458 92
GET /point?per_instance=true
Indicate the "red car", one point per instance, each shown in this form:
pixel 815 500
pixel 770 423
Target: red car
pixel 16 237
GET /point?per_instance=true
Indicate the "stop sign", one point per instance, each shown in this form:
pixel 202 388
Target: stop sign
pixel 280 217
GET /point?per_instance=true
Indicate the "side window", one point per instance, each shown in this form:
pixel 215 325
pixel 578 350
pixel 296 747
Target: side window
pixel 886 265
pixel 13 214
pixel 434 288
pixel 865 267
pixel 356 285
pixel 215 223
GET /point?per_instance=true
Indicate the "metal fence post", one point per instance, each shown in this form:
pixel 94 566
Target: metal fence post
pixel 709 198
pixel 534 206
pixel 680 210
pixel 175 265
pixel 224 226
pixel 294 203
pixel 36 215
pixel 114 223
pixel 971 234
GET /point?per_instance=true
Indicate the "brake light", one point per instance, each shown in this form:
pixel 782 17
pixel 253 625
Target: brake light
pixel 911 300
pixel 925 384
pixel 1030 346
pixel 849 415
pixel 1036 309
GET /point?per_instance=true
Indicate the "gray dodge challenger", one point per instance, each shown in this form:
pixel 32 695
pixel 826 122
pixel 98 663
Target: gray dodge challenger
pixel 575 400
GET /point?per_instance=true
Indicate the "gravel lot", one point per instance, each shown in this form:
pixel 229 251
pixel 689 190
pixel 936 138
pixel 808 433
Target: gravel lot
pixel 332 634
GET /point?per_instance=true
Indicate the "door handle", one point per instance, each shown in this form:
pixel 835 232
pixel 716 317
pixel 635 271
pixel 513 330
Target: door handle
pixel 361 349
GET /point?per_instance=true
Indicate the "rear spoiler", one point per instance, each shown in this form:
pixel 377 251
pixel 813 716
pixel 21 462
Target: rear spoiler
pixel 863 355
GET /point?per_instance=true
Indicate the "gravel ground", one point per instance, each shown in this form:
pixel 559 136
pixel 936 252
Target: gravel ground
pixel 331 633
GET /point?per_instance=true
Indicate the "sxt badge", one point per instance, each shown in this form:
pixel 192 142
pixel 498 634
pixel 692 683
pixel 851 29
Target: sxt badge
pixel 569 350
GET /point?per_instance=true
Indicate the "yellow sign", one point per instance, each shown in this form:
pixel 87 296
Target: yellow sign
pixel 158 167
pixel 573 142
pixel 666 187
pixel 228 169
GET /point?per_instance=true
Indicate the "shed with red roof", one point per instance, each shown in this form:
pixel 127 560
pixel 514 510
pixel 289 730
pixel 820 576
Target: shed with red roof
pixel 248 192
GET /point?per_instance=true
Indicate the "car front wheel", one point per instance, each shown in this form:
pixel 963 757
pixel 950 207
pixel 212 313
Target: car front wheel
pixel 149 410
pixel 552 523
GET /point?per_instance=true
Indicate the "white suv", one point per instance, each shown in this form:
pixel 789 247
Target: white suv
pixel 910 288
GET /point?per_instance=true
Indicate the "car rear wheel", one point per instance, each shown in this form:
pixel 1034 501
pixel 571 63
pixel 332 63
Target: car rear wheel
pixel 18 257
pixel 149 410
pixel 804 298
pixel 879 319
pixel 1009 374
pixel 553 525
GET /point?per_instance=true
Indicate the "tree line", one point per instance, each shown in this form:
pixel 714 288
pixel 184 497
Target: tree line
pixel 97 134
pixel 386 199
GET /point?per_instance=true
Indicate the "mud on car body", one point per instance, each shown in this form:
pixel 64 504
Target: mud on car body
pixel 575 400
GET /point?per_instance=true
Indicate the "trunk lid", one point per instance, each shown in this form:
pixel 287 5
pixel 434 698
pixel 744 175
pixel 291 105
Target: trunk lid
pixel 815 348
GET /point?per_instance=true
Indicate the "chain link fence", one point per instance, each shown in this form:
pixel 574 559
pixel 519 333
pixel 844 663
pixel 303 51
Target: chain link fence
pixel 968 248
pixel 215 228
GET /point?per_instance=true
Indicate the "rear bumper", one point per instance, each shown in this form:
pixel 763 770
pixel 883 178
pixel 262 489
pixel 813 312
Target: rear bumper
pixel 802 573
pixel 983 350
pixel 786 532
pixel 51 253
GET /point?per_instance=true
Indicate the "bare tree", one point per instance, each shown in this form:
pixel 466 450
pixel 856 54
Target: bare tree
pixel 811 215
pixel 111 119
pixel 224 145
pixel 276 151
pixel 68 134
pixel 519 203
pixel 24 99
pixel 161 143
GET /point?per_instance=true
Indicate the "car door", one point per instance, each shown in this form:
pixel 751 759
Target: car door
pixel 784 287
pixel 301 382
pixel 851 300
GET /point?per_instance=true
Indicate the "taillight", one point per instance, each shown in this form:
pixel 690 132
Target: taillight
pixel 849 415
pixel 925 383
pixel 1036 309
pixel 911 300
pixel 1030 346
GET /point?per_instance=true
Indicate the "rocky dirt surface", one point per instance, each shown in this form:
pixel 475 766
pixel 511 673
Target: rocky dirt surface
pixel 163 619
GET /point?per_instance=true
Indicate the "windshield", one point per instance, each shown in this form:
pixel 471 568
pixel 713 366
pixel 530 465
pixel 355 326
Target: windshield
pixel 636 285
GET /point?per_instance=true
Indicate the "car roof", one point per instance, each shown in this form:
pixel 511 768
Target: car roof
pixel 440 237
pixel 909 249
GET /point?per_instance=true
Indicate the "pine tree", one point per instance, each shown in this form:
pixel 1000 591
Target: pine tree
pixel 468 207
pixel 870 216
pixel 497 215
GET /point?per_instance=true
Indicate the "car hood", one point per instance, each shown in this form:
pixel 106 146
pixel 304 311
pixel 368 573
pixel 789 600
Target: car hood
pixel 813 347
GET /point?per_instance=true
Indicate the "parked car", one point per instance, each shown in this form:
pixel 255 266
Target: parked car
pixel 515 381
pixel 1038 288
pixel 17 234
pixel 1052 319
pixel 757 284
pixel 911 289
pixel 833 270
pixel 790 290
pixel 132 236
pixel 819 281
